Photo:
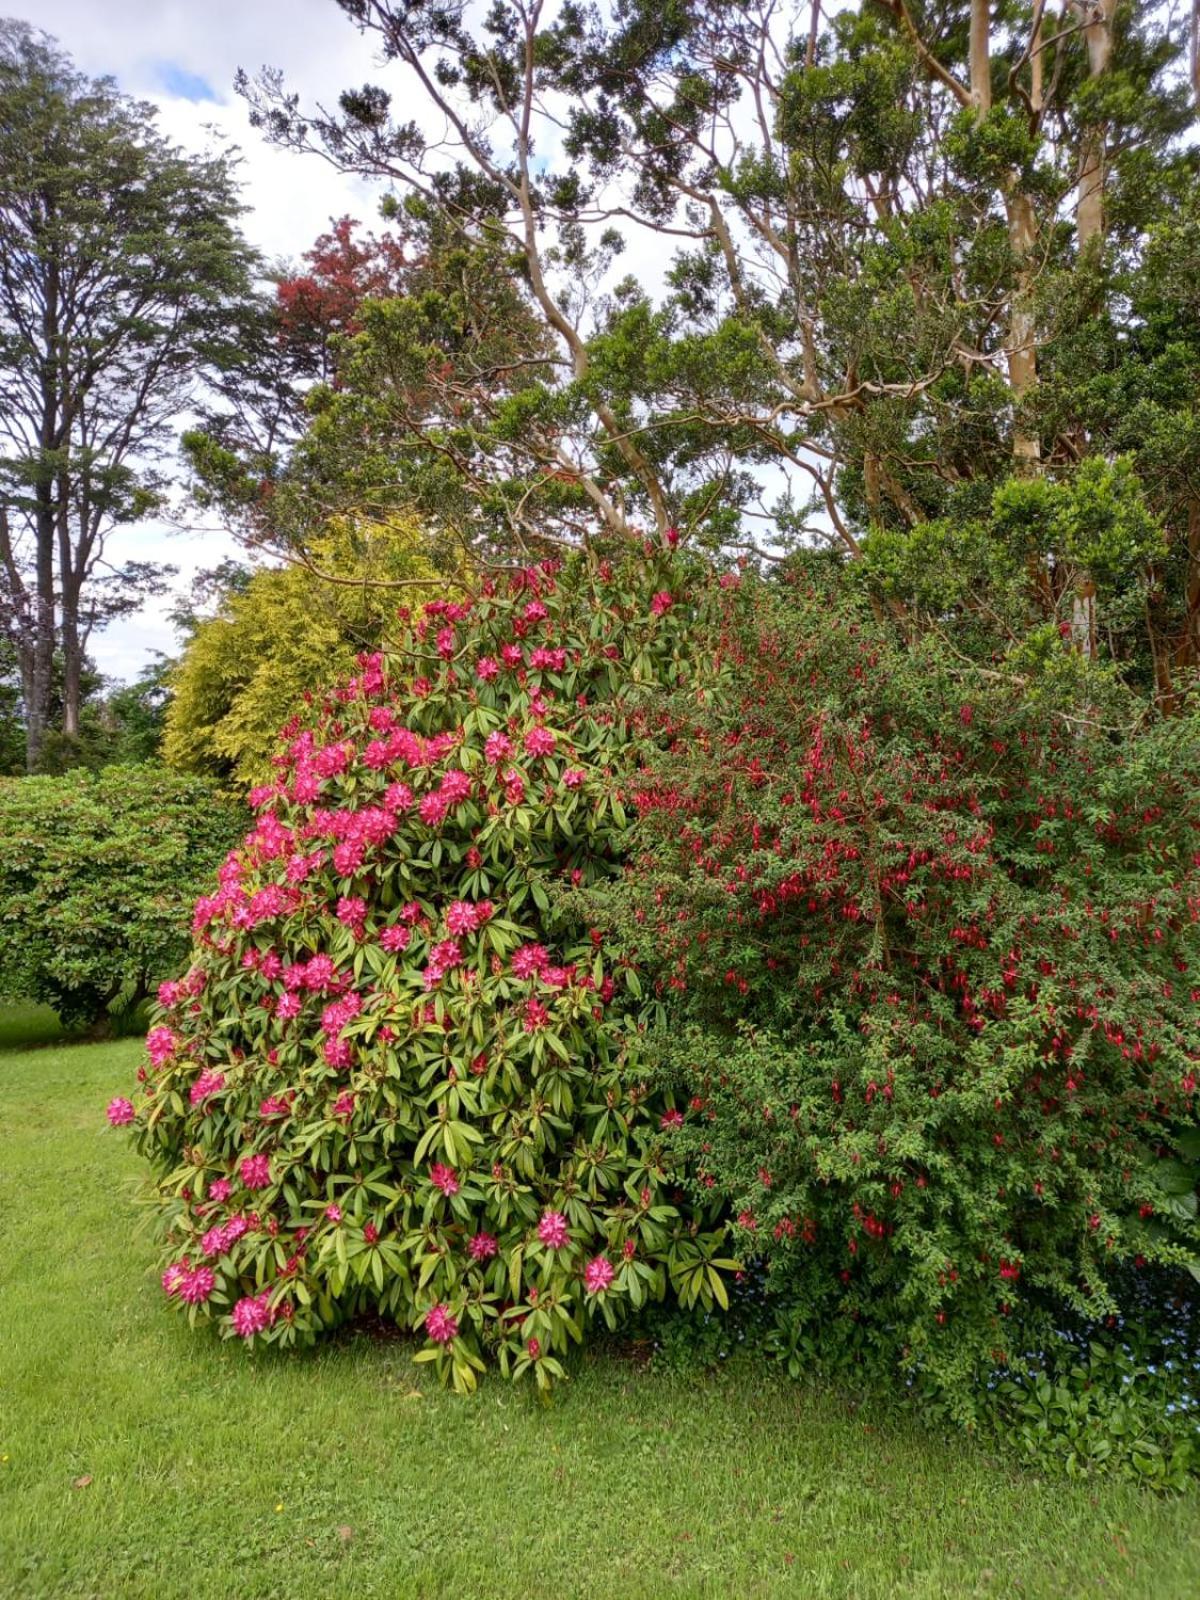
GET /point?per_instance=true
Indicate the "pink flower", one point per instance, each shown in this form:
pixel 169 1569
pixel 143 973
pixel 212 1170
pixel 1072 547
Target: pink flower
pixel 598 1274
pixel 482 1247
pixel 510 654
pixel 455 786
pixel 662 602
pixel 497 748
pixel 440 1325
pixel 338 1053
pixel 461 917
pixel 318 972
pixel 173 1277
pixel 442 957
pixel 529 960
pixel 536 1016
pixel 444 1178
pixel 544 660
pixel 348 857
pixel 351 912
pixel 486 668
pixel 333 1213
pixel 120 1111
pixel 290 1005
pixel 160 1045
pixel 539 742
pixel 552 1230
pixel 220 1189
pixel 251 1315
pixel 574 778
pixel 217 1240
pixel 393 940
pixel 343 1106
pixel 208 1083
pixel 255 1171
pixel 432 809
pixel 196 1286
pixel 671 1119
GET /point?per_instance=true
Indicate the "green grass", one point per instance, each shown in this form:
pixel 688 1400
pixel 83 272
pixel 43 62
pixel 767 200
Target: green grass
pixel 28 1024
pixel 140 1460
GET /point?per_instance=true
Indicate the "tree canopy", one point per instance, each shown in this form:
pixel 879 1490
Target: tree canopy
pixel 279 636
pixel 121 267
pixel 910 253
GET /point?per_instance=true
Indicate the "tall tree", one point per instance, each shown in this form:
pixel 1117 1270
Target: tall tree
pixel 373 381
pixel 121 268
pixel 904 249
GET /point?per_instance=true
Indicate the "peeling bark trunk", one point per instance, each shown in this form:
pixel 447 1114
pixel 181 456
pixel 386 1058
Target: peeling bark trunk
pixel 1093 155
pixel 1022 331
pixel 980 56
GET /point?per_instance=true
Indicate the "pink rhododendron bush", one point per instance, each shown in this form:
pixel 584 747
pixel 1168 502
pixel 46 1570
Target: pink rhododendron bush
pixel 398 1075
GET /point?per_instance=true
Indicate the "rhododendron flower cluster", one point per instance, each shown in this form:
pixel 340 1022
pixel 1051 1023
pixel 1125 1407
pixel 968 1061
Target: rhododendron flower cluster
pixel 400 1076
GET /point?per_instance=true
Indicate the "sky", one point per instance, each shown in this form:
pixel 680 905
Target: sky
pixel 182 57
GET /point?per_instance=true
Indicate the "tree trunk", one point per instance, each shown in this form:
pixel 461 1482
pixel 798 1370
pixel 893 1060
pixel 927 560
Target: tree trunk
pixel 41 652
pixel 1022 330
pixel 1089 203
pixel 69 585
pixel 1089 232
pixel 1021 350
pixel 37 708
pixel 980 57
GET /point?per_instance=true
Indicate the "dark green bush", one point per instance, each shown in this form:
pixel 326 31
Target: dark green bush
pixel 98 873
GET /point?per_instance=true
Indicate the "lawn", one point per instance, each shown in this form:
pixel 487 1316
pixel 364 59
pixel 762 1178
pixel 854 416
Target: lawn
pixel 140 1460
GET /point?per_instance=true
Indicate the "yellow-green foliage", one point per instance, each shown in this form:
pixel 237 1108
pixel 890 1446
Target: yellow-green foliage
pixel 244 671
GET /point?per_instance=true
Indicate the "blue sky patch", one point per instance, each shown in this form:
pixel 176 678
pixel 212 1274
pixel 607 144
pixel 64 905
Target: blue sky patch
pixel 176 80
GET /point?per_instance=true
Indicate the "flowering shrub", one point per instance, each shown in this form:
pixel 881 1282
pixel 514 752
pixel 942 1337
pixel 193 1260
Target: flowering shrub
pixel 926 940
pixel 396 1075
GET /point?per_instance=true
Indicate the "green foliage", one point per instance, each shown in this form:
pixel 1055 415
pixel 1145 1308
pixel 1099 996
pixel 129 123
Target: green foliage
pixel 279 638
pixel 96 874
pixel 1090 1408
pixel 923 939
pixel 1006 583
pixel 887 290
